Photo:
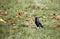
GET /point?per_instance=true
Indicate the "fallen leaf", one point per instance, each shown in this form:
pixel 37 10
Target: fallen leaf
pixel 44 7
pixel 18 20
pixel 9 18
pixel 9 29
pixel 57 24
pixel 3 13
pixel 21 12
pixel 56 16
pixel 33 19
pixel 2 20
pixel 28 19
pixel 44 17
pixel 13 29
pixel 18 16
pixel 11 23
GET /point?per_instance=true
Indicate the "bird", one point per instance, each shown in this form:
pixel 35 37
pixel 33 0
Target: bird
pixel 37 22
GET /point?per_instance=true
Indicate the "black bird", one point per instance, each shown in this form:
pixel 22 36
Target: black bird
pixel 38 24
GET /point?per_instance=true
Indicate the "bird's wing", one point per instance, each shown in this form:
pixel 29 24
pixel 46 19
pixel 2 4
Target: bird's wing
pixel 41 25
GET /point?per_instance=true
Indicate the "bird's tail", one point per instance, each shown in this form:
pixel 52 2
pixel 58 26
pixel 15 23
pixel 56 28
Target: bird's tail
pixel 41 26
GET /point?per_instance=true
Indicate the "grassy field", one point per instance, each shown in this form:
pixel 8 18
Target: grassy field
pixel 22 26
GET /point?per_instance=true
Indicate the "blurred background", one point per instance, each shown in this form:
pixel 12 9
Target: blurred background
pixel 17 19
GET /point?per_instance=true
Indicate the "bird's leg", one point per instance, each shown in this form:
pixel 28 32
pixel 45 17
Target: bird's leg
pixel 37 28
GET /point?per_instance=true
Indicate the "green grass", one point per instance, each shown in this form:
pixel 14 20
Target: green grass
pixel 22 31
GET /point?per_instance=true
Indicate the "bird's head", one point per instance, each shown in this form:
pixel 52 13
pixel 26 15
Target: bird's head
pixel 36 17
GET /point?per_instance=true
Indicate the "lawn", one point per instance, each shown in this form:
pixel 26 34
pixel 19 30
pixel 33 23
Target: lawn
pixel 18 16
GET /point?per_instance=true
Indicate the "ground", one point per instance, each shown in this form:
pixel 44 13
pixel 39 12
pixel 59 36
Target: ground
pixel 19 19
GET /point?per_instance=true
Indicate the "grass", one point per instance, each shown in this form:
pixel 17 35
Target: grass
pixel 41 8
